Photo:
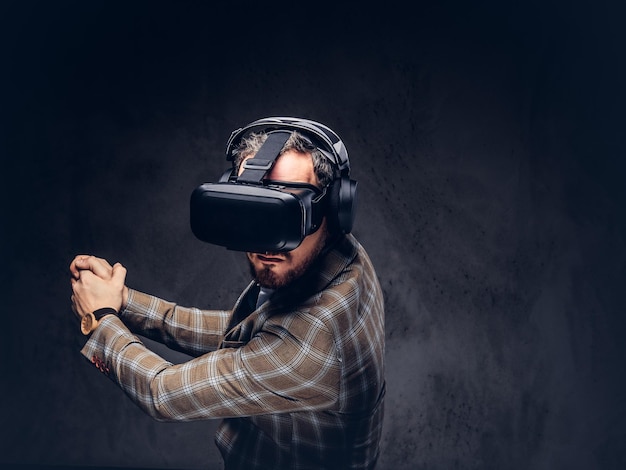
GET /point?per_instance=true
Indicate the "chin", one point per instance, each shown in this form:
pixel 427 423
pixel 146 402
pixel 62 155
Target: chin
pixel 268 277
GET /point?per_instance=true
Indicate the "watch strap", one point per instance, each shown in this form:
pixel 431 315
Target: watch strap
pixel 101 312
pixel 90 321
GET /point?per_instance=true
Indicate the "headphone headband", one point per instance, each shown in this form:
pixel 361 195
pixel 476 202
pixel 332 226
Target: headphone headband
pixel 331 145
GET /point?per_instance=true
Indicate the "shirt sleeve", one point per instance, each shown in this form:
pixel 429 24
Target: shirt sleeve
pixel 290 365
pixel 189 330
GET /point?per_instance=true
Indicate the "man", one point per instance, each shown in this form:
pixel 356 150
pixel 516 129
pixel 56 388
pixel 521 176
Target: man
pixel 295 369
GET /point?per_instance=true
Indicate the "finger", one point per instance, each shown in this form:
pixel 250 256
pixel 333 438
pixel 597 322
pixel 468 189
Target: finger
pixel 86 276
pixel 73 269
pixel 100 267
pixel 119 274
pixel 79 263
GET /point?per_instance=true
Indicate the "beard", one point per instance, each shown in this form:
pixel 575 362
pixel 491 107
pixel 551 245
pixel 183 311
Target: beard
pixel 268 278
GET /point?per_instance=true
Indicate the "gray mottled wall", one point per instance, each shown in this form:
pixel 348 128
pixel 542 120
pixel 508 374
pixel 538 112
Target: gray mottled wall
pixel 488 145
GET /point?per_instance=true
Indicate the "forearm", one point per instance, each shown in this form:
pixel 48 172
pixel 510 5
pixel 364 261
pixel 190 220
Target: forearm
pixel 190 330
pixel 225 383
pixel 109 348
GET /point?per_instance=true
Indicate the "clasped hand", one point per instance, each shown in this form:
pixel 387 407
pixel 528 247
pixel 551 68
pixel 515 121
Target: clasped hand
pixel 96 284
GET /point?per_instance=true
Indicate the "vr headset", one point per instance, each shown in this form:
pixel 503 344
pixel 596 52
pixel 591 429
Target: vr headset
pixel 248 212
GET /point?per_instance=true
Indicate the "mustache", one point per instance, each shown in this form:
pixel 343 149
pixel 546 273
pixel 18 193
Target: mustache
pixel 286 255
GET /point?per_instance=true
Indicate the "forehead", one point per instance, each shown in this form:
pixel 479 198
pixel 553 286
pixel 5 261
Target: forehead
pixel 295 167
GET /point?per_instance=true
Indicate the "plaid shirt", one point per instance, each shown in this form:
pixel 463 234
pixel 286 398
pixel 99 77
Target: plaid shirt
pixel 299 382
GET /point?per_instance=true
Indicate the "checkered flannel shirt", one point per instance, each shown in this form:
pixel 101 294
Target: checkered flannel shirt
pixel 299 382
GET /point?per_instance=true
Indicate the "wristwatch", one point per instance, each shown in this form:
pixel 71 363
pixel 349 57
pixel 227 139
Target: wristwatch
pixel 90 321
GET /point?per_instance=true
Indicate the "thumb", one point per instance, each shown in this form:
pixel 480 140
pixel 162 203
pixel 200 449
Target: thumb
pixel 119 274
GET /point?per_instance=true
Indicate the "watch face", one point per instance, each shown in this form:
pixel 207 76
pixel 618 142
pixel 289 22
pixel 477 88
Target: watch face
pixel 86 323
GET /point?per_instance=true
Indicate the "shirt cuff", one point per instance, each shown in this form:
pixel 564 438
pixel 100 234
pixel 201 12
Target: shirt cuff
pixel 102 347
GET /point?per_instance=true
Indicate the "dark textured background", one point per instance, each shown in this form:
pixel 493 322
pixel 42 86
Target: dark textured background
pixel 488 144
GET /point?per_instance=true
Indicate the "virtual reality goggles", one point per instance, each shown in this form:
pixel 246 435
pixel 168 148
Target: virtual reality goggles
pixel 248 212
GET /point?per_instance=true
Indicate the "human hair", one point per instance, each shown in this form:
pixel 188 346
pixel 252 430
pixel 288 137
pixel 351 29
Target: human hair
pixel 251 144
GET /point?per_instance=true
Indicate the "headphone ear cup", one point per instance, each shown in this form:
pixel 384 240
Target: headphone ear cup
pixel 347 204
pixel 342 205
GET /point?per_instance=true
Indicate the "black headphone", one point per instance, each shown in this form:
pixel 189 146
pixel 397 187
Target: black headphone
pixel 342 190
